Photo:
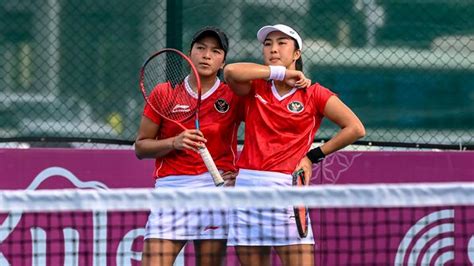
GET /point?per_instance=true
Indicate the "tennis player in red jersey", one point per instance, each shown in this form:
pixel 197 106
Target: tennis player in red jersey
pixel 179 165
pixel 283 112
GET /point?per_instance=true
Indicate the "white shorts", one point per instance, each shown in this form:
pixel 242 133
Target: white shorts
pixel 186 224
pixel 277 227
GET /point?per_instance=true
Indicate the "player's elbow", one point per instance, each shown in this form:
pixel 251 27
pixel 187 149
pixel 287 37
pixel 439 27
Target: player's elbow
pixel 138 151
pixel 230 74
pixel 358 130
pixel 238 87
pixel 229 71
pixel 139 156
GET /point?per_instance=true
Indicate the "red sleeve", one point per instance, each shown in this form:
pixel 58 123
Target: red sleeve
pixel 321 97
pixel 258 83
pixel 151 114
pixel 248 98
pixel 148 110
pixel 240 102
pixel 256 86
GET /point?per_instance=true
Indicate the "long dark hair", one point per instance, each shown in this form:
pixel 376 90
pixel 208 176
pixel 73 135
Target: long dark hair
pixel 299 62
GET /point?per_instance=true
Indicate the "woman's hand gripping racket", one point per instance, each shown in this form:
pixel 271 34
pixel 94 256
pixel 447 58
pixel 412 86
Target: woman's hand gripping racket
pixel 301 212
pixel 162 82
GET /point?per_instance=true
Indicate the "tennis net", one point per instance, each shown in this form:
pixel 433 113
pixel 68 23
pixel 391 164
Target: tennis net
pixel 377 224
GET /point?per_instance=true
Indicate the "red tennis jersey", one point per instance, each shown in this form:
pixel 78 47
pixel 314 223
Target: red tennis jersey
pixel 220 115
pixel 279 130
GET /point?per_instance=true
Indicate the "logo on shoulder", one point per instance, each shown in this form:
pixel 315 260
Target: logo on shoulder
pixel 295 107
pixel 221 106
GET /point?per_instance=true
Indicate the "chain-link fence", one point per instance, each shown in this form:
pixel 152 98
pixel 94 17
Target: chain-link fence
pixel 69 68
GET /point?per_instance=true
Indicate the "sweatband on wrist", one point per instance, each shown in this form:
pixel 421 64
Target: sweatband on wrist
pixel 277 72
pixel 315 155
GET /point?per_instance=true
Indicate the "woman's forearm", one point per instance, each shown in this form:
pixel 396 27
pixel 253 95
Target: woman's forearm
pixel 245 72
pixel 346 136
pixel 153 148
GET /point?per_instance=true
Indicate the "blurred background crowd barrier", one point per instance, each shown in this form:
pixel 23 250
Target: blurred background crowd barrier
pixel 69 68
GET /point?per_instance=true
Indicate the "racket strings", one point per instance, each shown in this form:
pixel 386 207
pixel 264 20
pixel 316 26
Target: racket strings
pixel 164 83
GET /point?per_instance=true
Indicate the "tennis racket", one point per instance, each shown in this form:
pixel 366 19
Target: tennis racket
pixel 301 212
pixel 162 82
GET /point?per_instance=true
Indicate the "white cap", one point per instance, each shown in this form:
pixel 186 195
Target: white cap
pixel 264 31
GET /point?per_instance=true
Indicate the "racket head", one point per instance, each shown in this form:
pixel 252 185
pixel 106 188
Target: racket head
pixel 301 212
pixel 163 83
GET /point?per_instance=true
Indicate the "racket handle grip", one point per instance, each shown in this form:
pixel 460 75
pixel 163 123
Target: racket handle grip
pixel 211 166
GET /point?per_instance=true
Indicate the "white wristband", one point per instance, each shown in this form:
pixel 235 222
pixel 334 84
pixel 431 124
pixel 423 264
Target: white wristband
pixel 277 72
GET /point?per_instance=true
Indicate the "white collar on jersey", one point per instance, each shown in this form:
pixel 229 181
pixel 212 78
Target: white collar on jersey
pixel 277 95
pixel 205 95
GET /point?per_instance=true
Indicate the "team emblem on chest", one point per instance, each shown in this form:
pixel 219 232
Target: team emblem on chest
pixel 295 107
pixel 221 106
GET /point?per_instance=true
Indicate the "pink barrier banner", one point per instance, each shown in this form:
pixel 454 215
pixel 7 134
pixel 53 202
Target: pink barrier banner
pixel 33 169
pixel 395 236
pixel 421 236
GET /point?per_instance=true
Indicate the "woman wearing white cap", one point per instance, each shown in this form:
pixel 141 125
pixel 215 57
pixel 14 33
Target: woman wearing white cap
pixel 283 113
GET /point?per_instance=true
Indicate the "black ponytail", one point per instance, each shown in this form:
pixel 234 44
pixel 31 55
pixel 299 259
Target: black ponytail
pixel 299 62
